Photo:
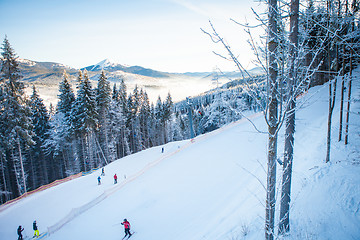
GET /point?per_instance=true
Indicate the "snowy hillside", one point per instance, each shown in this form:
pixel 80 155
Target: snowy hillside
pixel 210 187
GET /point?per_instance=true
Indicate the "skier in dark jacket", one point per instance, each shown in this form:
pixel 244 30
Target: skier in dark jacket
pixel 127 228
pixel 36 230
pixel 19 232
pixel 99 180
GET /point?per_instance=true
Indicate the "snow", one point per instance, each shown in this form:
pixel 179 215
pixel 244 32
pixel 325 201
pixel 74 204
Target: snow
pixel 211 187
pixel 104 64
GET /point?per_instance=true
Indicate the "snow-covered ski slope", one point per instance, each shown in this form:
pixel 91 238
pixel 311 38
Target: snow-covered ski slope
pixel 210 187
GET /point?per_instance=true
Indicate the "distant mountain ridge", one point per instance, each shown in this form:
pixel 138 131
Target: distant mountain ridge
pixel 113 67
pixel 46 76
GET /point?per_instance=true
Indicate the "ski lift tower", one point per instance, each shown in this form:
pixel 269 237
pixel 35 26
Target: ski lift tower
pixel 190 117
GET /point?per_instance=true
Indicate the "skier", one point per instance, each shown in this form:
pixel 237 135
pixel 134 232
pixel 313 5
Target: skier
pixel 115 179
pixel 127 228
pixel 36 231
pixel 19 232
pixel 162 150
pixel 99 180
pixel 102 172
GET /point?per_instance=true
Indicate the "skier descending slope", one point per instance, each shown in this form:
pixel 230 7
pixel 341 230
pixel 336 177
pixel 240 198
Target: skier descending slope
pixel 127 228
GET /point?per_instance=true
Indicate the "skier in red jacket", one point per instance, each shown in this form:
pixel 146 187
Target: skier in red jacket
pixel 127 228
pixel 115 179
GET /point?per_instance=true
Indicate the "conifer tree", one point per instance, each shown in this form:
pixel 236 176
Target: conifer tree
pixel 122 95
pixel 84 122
pixel 103 98
pixel 66 97
pixel 61 135
pixel 167 112
pixel 42 169
pixel 144 120
pixel 115 94
pixel 119 144
pixel 159 122
pixel 16 127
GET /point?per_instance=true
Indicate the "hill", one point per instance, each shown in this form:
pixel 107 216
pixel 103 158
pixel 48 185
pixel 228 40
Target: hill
pixel 210 187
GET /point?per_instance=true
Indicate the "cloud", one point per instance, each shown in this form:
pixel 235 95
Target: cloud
pixel 192 7
pixel 215 9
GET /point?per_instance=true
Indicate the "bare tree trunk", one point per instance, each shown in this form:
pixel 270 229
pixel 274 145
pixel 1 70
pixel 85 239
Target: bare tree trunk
pixel 85 159
pixel 44 166
pixel 290 120
pixel 341 105
pixel 272 120
pixel 342 92
pixel 332 88
pixel 33 177
pixel 271 182
pixel 4 178
pixel 348 106
pixel 350 82
pixel 21 165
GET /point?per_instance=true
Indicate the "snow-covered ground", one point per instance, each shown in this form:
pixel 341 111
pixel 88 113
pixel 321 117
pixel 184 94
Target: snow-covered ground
pixel 211 187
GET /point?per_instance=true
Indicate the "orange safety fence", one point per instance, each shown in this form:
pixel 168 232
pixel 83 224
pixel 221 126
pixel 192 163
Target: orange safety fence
pixel 41 188
pixel 44 187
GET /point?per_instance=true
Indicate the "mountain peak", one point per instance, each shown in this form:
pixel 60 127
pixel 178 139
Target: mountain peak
pixel 105 64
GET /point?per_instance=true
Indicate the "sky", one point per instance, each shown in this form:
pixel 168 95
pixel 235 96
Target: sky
pixel 164 35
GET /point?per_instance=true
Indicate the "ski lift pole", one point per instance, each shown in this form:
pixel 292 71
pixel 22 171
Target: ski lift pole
pixel 190 117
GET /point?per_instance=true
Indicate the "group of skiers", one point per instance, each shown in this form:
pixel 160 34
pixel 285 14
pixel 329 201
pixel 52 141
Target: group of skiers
pixel 21 229
pixel 125 222
pixel 36 230
pixel 103 174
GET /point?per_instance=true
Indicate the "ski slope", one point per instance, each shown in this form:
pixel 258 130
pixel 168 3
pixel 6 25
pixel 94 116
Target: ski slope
pixel 211 187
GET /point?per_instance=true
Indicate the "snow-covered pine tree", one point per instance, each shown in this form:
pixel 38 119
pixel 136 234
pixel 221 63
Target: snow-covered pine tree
pixel 66 97
pixel 144 119
pixel 168 109
pixel 122 94
pixel 133 124
pixel 118 133
pixel 103 98
pixel 15 122
pixel 84 123
pixel 159 122
pixel 115 94
pixel 152 126
pixel 60 143
pixel 41 165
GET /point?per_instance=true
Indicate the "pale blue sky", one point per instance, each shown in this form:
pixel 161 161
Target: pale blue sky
pixel 161 34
